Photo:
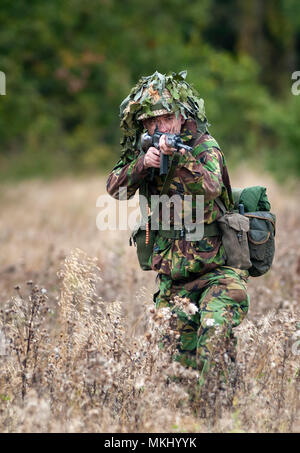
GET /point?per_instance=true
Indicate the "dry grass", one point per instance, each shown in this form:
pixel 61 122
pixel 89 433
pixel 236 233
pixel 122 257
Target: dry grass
pixel 79 335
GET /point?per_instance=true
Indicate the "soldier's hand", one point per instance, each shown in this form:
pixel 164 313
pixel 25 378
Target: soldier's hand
pixel 152 158
pixel 165 149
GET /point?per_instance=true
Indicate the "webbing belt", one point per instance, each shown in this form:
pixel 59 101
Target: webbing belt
pixel 210 229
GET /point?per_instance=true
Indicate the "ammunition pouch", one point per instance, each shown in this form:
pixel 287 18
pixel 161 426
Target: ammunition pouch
pixel 234 229
pixel 261 240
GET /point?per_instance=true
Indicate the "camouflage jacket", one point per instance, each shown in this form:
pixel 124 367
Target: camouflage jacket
pixel 202 171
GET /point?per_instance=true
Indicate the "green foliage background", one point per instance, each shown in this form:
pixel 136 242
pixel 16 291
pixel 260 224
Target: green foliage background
pixel 68 66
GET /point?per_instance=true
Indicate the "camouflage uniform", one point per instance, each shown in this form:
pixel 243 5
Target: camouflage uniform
pixel 192 269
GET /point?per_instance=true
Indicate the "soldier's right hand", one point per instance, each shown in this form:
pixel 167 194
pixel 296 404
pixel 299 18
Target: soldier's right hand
pixel 152 158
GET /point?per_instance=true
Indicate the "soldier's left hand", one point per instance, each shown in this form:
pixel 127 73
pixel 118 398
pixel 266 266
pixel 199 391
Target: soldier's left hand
pixel 165 149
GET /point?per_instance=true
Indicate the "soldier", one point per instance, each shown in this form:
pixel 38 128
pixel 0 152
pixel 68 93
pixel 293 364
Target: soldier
pixel 194 270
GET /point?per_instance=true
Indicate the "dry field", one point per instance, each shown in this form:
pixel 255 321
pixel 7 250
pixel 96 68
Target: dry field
pixel 79 337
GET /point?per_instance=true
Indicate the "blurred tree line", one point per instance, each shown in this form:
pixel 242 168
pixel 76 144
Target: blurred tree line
pixel 68 66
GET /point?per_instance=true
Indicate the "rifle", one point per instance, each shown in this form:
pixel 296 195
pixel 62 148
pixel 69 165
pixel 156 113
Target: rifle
pixel 172 140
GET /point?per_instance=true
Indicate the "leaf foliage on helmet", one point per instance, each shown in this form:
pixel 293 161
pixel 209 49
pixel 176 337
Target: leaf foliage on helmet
pixel 184 99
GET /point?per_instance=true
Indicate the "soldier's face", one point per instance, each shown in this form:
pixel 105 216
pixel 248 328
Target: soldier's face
pixel 166 123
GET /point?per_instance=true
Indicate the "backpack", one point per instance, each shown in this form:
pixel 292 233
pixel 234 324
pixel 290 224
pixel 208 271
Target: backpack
pixel 254 204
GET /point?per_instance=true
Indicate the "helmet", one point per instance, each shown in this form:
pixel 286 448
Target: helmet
pixel 158 103
pixel 155 95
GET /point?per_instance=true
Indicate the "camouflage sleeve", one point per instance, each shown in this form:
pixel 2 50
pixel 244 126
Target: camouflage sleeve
pixel 201 173
pixel 126 174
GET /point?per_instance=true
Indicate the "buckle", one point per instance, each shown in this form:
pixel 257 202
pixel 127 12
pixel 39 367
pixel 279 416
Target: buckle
pixel 190 230
pixel 186 230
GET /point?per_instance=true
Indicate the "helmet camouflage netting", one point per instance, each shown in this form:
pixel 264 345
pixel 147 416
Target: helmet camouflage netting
pixel 156 95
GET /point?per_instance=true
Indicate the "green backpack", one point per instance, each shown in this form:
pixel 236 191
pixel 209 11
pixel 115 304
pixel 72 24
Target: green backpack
pixel 254 204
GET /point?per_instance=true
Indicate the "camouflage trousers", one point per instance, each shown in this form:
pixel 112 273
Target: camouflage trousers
pixel 222 302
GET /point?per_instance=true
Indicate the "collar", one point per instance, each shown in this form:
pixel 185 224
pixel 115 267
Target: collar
pixel 189 130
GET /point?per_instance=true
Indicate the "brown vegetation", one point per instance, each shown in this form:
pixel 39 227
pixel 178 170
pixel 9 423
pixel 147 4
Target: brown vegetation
pixel 80 338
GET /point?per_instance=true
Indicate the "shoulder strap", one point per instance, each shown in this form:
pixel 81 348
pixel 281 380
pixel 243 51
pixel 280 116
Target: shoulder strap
pixel 221 205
